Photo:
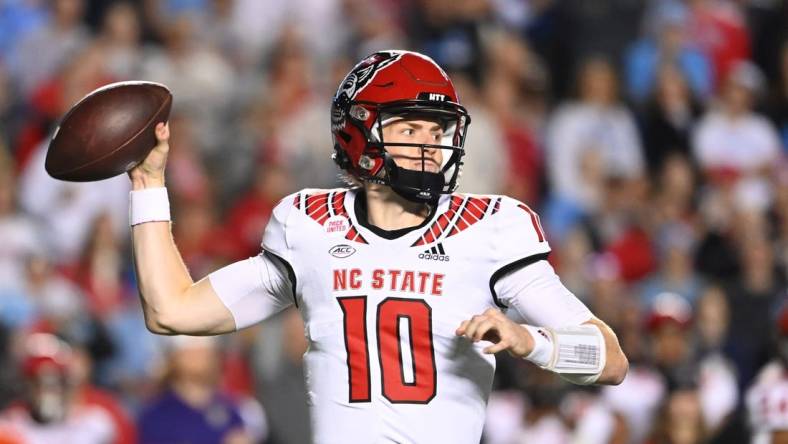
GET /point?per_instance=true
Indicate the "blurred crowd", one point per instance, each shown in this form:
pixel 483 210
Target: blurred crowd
pixel 652 136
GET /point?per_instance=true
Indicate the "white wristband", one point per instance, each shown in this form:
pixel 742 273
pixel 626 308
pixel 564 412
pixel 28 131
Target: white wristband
pixel 149 205
pixel 544 348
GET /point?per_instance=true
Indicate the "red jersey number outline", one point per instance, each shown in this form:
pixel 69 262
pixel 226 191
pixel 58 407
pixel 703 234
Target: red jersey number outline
pixel 387 330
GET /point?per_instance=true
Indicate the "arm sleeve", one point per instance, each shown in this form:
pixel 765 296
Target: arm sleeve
pixel 253 289
pixel 536 296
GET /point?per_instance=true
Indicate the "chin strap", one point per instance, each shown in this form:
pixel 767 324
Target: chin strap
pixel 415 186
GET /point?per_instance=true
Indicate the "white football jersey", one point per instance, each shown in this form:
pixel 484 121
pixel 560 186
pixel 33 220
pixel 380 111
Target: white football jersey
pixel 381 309
pixel 767 402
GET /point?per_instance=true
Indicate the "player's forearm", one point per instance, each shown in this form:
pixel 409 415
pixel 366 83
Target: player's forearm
pixel 616 364
pixel 583 354
pixel 162 276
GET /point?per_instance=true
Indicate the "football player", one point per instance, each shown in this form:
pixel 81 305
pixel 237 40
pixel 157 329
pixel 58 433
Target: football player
pixel 767 398
pixel 402 283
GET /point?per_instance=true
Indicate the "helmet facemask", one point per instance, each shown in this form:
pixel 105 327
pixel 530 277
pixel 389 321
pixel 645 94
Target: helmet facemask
pixel 378 164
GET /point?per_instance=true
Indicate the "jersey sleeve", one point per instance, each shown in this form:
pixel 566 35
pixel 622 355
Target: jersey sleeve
pixel 262 286
pixel 535 295
pixel 517 240
pixel 253 289
pixel 518 233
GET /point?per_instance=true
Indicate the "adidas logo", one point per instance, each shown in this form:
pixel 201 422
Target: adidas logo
pixel 436 253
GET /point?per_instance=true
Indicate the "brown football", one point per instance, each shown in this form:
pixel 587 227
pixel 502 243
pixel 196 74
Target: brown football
pixel 108 132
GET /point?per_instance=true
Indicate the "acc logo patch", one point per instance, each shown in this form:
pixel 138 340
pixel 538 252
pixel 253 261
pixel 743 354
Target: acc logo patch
pixel 336 225
pixel 341 251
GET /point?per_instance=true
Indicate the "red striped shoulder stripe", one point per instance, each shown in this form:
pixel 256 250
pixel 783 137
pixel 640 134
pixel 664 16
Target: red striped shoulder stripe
pixel 338 203
pixel 321 206
pixel 477 208
pixel 437 228
pixel 354 235
pixel 317 207
pixel 497 205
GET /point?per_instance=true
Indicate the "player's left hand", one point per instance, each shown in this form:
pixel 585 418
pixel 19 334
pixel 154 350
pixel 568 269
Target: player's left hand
pixel 495 327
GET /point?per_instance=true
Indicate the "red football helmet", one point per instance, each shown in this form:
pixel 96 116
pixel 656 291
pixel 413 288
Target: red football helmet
pixel 388 84
pixel 45 353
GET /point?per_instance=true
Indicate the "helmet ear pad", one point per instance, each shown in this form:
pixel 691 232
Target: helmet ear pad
pixel 341 158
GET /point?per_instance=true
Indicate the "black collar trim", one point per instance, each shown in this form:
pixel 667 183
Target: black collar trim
pixel 360 207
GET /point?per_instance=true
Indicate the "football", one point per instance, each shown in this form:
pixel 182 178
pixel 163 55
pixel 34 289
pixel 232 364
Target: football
pixel 108 132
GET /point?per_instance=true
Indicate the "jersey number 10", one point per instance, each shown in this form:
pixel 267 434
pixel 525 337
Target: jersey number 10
pixel 390 312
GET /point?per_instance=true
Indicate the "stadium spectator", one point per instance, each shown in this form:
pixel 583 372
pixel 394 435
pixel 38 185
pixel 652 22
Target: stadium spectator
pixel 713 321
pixel 250 213
pixel 44 294
pixel 778 101
pixel 200 77
pixel 768 394
pixel 7 101
pixel 733 143
pixel 450 33
pixel 99 267
pixel 516 71
pixel 119 41
pixel 50 412
pixel 486 150
pixel 665 43
pixel 573 258
pixel 679 420
pixel 277 358
pixel 81 73
pixel 781 221
pixel 590 141
pixel 580 30
pixel 21 235
pixel 752 295
pixel 18 19
pixel 668 119
pixel 719 395
pixel 191 408
pixel 673 207
pixel 53 45
pixel 197 236
pixel 720 29
pixel 292 104
pixel 674 355
pixel 66 209
pixel 675 275
pixel 89 395
pixel 596 422
pixel 132 369
pixel 373 27
pixel 189 172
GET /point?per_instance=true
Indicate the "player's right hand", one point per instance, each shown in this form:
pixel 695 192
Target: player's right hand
pixel 495 327
pixel 150 173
